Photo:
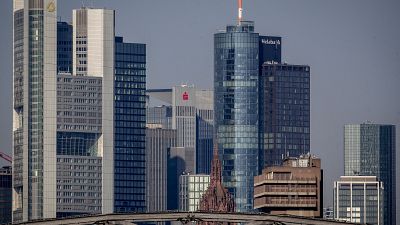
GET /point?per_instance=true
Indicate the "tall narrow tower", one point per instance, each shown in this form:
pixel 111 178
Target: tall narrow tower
pixel 34 104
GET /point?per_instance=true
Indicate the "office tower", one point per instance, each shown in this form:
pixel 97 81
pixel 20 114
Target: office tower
pixel 294 188
pixel 204 130
pixel 34 115
pixel 79 130
pixel 370 150
pixel 129 126
pixel 284 112
pixel 5 195
pixel 216 198
pixel 191 189
pixel 93 56
pixel 236 77
pixel 158 143
pixel 64 47
pixel 359 199
pixel 189 111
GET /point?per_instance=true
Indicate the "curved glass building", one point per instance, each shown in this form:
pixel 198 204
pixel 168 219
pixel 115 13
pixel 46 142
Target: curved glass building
pixel 236 74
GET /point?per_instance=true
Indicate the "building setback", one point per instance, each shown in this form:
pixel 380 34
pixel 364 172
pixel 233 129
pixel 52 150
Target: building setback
pixel 295 188
pixel 370 150
pixel 359 199
pixel 34 109
pixel 284 112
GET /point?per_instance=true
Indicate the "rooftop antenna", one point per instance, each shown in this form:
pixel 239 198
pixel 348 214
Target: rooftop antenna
pixel 240 11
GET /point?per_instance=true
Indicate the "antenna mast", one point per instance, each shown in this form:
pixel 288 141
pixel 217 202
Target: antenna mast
pixel 240 11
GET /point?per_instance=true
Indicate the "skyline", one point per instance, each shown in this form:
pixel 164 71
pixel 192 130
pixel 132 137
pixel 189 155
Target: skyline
pixel 295 51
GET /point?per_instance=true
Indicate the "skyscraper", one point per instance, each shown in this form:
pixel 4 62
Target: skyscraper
pixel 236 105
pixel 158 143
pixel 189 111
pixel 129 126
pixel 370 150
pixel 34 104
pixel 93 56
pixel 284 112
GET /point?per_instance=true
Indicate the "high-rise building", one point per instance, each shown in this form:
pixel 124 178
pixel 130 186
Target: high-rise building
pixel 5 195
pixel 294 188
pixel 190 112
pixel 129 126
pixel 93 56
pixel 191 189
pixel 284 112
pixel 158 143
pixel 34 114
pixel 359 199
pixel 370 150
pixel 236 77
pixel 64 47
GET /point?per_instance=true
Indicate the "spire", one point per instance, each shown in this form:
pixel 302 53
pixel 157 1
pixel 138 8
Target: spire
pixel 240 11
pixel 216 165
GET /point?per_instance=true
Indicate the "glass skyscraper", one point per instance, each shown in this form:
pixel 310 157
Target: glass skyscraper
pixel 284 112
pixel 236 105
pixel 129 126
pixel 370 150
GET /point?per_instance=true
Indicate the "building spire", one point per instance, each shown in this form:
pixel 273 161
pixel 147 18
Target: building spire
pixel 240 11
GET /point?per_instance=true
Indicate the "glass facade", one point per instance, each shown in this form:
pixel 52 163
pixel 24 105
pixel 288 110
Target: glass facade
pixel 236 77
pixel 35 113
pixel 284 112
pixel 64 47
pixel 370 150
pixel 191 190
pixel 129 126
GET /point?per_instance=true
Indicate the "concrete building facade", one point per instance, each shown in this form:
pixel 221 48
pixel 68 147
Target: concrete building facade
pixel 295 188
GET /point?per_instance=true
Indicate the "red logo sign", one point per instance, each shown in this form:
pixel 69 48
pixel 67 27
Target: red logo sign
pixel 185 96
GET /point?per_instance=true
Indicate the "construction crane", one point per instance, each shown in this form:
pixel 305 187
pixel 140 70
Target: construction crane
pixel 6 157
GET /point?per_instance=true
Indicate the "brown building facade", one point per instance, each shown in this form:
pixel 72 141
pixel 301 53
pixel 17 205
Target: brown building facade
pixel 295 188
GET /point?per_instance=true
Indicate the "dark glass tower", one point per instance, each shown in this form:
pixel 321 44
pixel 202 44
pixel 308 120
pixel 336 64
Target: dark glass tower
pixel 129 126
pixel 370 150
pixel 236 77
pixel 284 112
pixel 64 47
